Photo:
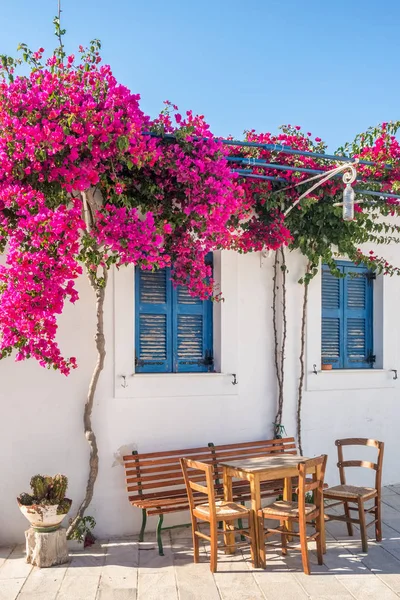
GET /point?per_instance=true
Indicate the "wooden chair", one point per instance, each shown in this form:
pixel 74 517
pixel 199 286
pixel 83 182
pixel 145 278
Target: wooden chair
pixel 212 511
pixel 299 512
pixel 351 494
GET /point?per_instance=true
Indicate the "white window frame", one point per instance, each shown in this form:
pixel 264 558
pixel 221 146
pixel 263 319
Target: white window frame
pixel 225 341
pixel 386 294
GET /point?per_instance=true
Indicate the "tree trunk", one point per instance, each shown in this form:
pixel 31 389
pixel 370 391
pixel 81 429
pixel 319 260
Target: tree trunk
pixel 279 341
pixel 301 358
pixel 87 415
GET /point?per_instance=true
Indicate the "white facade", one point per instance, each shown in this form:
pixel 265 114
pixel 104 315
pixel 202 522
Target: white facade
pixel 41 416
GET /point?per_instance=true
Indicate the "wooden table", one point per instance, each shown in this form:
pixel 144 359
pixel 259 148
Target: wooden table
pixel 256 470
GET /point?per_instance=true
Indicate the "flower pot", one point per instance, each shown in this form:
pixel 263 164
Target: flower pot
pixel 42 518
pixel 326 367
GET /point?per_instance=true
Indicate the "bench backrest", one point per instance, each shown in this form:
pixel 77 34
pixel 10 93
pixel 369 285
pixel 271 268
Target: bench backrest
pixel 159 474
pixel 229 452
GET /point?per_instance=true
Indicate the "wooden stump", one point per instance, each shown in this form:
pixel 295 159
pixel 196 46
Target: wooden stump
pixel 46 549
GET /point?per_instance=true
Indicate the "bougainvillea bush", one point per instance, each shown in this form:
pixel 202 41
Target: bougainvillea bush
pixel 81 183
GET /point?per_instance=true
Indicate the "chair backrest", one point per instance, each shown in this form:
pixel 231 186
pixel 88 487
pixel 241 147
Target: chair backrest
pixel 316 467
pixel 377 467
pixel 193 473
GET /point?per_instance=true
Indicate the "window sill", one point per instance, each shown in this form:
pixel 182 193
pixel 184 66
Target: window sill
pixel 350 379
pixel 360 371
pixel 158 385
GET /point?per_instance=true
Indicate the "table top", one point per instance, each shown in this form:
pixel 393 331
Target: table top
pixel 265 463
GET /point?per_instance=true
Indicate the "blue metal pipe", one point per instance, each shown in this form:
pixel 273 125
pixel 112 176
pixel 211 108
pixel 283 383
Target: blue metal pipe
pixel 245 173
pixel 371 193
pixel 269 177
pixel 263 163
pixel 256 162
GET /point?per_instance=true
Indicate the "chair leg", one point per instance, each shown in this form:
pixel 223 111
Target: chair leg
pixel 214 547
pixel 196 541
pixel 378 517
pixel 259 532
pixel 284 540
pixel 229 537
pixel 320 528
pixel 143 527
pixel 348 516
pixel 363 526
pixel 158 533
pixel 303 544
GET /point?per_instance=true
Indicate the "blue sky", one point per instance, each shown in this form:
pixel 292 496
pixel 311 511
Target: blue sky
pixel 332 68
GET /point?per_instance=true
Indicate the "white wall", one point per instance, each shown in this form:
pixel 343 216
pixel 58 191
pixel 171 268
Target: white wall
pixel 41 416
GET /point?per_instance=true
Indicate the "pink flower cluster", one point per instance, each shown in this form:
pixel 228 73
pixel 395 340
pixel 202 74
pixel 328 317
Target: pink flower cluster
pixel 169 195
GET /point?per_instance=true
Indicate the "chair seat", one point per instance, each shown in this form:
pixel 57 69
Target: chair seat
pixel 349 491
pixel 223 510
pixel 284 508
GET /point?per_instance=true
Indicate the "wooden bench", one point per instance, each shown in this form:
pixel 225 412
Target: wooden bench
pixel 155 481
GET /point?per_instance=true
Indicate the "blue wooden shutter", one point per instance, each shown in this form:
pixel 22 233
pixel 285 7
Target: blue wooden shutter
pixel 192 326
pixel 357 310
pixel 153 330
pixel 332 317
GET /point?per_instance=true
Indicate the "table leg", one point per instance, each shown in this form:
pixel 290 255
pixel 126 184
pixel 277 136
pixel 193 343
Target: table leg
pixel 229 537
pixel 259 557
pixel 288 495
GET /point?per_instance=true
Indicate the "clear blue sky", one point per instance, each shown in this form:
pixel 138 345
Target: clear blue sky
pixel 332 67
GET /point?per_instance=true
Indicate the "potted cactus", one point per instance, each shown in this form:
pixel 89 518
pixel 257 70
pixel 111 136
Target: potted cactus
pixel 46 507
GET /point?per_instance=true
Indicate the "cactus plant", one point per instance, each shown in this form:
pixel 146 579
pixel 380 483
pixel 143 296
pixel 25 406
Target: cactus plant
pixel 46 491
pixel 58 489
pixel 39 487
pixel 26 499
pixel 64 506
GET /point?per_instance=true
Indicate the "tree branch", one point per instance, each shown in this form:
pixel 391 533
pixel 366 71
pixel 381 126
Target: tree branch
pixel 301 358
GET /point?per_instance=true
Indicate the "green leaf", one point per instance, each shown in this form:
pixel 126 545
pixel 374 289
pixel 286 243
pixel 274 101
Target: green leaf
pixel 122 143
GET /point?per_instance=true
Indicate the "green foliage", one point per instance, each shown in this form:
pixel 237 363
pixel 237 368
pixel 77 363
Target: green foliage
pixel 321 235
pixel 84 528
pixel 26 499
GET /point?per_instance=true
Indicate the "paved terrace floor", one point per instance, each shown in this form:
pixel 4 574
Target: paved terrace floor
pixel 123 569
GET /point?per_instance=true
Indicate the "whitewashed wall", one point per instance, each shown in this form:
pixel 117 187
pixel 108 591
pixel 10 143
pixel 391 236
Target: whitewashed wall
pixel 41 411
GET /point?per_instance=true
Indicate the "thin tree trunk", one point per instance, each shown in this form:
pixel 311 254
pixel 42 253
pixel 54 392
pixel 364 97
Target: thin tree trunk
pixel 284 329
pixel 301 358
pixel 87 415
pixel 279 345
pixel 275 288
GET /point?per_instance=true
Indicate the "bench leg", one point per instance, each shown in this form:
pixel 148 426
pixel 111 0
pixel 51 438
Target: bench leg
pixel 158 531
pixel 143 527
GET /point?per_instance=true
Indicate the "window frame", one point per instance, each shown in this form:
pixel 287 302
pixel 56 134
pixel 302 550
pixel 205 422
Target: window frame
pixel 137 387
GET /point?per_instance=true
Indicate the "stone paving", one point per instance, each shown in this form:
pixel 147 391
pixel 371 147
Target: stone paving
pixel 123 569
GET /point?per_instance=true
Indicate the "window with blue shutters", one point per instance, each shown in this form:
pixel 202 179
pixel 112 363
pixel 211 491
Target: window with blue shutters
pixel 347 317
pixel 173 330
